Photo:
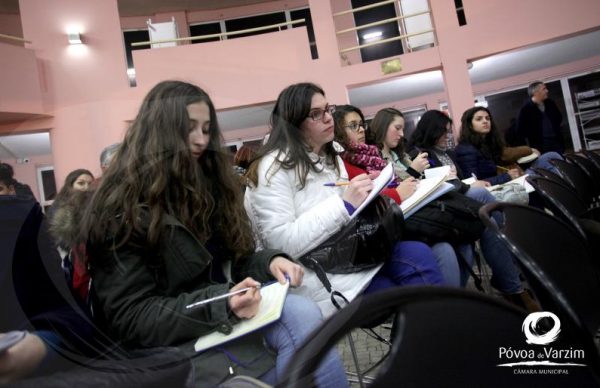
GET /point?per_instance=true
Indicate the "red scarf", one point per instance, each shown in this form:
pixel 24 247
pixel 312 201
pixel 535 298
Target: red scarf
pixel 364 156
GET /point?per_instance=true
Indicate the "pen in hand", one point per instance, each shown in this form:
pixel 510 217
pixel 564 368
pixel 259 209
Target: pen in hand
pixel 219 297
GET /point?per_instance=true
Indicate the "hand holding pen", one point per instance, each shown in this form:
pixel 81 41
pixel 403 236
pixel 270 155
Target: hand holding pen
pixel 245 304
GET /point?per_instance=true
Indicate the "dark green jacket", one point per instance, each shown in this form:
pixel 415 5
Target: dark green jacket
pixel 141 293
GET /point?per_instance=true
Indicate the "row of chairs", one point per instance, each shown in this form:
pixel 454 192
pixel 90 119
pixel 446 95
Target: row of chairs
pixel 453 337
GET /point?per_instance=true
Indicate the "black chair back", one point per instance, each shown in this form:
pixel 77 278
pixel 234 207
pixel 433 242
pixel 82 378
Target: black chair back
pixel 443 337
pixel 590 169
pixel 575 176
pixel 561 200
pixel 594 157
pixel 555 260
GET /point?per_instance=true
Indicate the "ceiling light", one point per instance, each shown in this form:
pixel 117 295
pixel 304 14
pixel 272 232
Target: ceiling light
pixel 74 37
pixel 372 35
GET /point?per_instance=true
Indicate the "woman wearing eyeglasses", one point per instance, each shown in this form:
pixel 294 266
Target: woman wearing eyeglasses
pixel 292 209
pixel 360 157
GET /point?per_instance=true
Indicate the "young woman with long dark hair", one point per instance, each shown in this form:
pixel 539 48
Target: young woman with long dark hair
pixel 167 228
pixel 292 209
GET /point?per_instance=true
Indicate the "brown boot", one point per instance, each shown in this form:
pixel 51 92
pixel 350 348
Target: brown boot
pixel 525 300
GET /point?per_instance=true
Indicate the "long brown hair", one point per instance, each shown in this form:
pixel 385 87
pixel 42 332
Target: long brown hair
pixel 153 169
pixel 379 127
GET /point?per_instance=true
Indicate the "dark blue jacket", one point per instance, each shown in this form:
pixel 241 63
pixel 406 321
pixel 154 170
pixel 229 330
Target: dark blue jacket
pixel 473 161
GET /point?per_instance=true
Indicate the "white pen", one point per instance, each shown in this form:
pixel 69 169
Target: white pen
pixel 474 176
pixel 209 300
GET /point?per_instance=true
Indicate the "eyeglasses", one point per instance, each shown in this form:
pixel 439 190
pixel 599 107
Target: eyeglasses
pixel 318 114
pixel 354 126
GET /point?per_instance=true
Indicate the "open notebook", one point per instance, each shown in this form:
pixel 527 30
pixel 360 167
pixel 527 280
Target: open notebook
pixel 383 179
pixel 428 189
pixel 269 310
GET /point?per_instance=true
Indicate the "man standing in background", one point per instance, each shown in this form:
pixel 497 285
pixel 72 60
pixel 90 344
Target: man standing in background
pixel 538 122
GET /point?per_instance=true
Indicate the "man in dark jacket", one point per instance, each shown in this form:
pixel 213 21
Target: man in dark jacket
pixel 538 122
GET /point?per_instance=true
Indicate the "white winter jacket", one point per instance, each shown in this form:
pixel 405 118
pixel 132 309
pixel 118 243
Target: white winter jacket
pixel 297 220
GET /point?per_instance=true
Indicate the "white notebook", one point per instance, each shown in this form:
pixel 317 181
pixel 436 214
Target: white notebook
pixel 381 182
pixel 269 310
pixel 428 189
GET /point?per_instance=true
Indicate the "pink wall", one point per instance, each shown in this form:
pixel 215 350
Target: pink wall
pixel 85 88
pixel 27 172
pixel 20 80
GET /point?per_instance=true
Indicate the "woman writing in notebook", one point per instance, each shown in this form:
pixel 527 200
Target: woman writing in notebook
pixel 431 136
pixel 481 150
pixel 292 209
pixel 360 157
pixel 166 228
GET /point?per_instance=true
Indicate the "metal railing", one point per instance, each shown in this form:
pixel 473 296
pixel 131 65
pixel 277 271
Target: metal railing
pixel 14 38
pixel 221 35
pixel 381 22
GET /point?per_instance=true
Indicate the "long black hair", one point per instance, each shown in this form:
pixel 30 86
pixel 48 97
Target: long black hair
pixel 286 137
pixel 431 127
pixel 490 144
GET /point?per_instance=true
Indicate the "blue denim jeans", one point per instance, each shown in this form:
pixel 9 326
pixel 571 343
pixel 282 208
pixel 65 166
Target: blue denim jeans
pixel 412 263
pixel 505 273
pixel 446 259
pixel 543 161
pixel 300 316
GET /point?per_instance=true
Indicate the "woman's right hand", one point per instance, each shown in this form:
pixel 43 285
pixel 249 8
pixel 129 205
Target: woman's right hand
pixel 358 190
pixel 406 188
pixel 245 305
pixel 514 173
pixel 420 163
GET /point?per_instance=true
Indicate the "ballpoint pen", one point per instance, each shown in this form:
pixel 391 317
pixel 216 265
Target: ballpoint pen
pixel 227 295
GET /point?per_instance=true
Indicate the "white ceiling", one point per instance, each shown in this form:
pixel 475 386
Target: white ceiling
pixel 24 146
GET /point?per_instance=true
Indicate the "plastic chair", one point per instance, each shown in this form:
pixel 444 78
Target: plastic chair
pixel 594 157
pixel 444 337
pixel 556 263
pixel 590 169
pixel 561 200
pixel 575 176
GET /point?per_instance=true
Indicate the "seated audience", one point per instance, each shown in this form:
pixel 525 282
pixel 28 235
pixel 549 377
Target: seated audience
pixel 360 157
pixel 167 228
pixel 432 135
pixel 292 210
pixel 482 152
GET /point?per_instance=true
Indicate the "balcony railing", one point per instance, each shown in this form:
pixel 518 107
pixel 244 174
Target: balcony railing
pixel 14 38
pixel 221 35
pixel 408 44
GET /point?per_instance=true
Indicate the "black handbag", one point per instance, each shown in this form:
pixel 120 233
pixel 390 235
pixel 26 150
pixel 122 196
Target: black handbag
pixel 452 218
pixel 365 242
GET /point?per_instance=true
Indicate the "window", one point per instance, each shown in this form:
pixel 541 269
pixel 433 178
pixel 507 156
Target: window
pixel 460 12
pixel 253 22
pixel 205 29
pixel 129 37
pixel 376 33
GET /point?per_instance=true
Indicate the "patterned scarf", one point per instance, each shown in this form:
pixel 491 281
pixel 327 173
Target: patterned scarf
pixel 364 156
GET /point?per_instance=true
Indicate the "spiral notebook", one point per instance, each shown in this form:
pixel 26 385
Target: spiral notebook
pixel 269 310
